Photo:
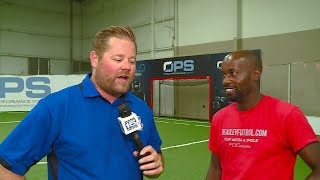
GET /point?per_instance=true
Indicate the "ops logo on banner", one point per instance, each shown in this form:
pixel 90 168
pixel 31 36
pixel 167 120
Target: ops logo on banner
pixel 178 66
pixel 34 87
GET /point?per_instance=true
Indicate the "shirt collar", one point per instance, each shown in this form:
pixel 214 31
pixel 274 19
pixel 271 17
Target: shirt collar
pixel 89 90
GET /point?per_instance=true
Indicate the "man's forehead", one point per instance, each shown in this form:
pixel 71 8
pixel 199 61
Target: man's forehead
pixel 236 56
pixel 235 59
pixel 236 63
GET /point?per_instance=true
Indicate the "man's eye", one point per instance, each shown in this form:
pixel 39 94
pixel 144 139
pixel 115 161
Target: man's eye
pixel 234 73
pixel 133 61
pixel 117 59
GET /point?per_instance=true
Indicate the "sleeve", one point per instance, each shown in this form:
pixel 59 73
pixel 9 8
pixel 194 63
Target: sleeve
pixel 30 141
pixel 299 133
pixel 154 139
pixel 149 135
pixel 213 136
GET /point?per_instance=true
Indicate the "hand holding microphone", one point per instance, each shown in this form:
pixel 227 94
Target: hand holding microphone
pixel 130 123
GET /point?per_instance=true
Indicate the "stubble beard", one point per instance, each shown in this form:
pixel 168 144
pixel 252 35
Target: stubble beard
pixel 236 98
pixel 111 86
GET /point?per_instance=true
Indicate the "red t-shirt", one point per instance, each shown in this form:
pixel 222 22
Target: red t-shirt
pixel 260 143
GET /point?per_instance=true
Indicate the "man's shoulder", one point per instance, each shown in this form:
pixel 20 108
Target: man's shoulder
pixel 62 95
pixel 224 111
pixel 229 107
pixel 278 103
pixel 278 107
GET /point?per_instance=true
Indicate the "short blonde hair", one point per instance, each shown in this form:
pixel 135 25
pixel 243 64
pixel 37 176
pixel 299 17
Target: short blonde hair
pixel 100 42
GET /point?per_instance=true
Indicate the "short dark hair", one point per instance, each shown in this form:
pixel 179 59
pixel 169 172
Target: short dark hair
pixel 249 55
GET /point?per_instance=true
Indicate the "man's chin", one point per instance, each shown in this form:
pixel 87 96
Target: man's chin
pixel 118 91
pixel 122 90
pixel 232 99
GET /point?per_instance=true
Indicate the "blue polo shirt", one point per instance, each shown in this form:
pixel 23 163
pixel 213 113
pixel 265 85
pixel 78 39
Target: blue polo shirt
pixel 79 132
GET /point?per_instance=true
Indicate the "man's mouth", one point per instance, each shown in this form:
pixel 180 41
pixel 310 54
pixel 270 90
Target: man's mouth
pixel 123 78
pixel 230 90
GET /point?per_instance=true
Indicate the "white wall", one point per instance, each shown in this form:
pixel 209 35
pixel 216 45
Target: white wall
pixel 17 65
pixel 29 45
pixel 58 66
pixel 36 28
pixel 154 27
pixel 60 6
pixel 201 21
pixel 205 21
pixel 261 18
pixel 96 15
pixel 315 123
pixel 40 28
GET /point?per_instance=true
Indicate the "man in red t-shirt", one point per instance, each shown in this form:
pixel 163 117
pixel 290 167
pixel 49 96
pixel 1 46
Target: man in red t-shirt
pixel 257 136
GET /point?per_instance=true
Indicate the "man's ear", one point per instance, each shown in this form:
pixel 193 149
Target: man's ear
pixel 257 74
pixel 94 59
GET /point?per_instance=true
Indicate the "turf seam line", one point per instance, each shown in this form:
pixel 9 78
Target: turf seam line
pixel 172 119
pixel 169 147
pixel 182 145
pixel 9 122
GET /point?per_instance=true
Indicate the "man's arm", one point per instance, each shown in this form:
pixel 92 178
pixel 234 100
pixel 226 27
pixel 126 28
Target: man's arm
pixel 5 174
pixel 214 172
pixel 311 156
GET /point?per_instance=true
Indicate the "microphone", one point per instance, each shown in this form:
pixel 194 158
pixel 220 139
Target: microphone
pixel 130 123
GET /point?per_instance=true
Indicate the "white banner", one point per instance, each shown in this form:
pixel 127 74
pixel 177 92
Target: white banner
pixel 22 93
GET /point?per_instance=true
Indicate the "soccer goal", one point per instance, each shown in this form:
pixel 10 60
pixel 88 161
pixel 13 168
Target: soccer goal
pixel 183 97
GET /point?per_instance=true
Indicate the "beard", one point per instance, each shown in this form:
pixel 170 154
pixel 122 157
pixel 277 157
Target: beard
pixel 235 97
pixel 110 85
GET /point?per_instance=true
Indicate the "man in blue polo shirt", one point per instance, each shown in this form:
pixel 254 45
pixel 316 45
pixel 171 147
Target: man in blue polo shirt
pixel 77 128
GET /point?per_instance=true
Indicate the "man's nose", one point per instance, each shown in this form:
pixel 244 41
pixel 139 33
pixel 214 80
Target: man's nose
pixel 226 80
pixel 126 65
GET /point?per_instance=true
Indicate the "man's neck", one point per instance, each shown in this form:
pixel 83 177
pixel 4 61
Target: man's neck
pixel 250 102
pixel 107 96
